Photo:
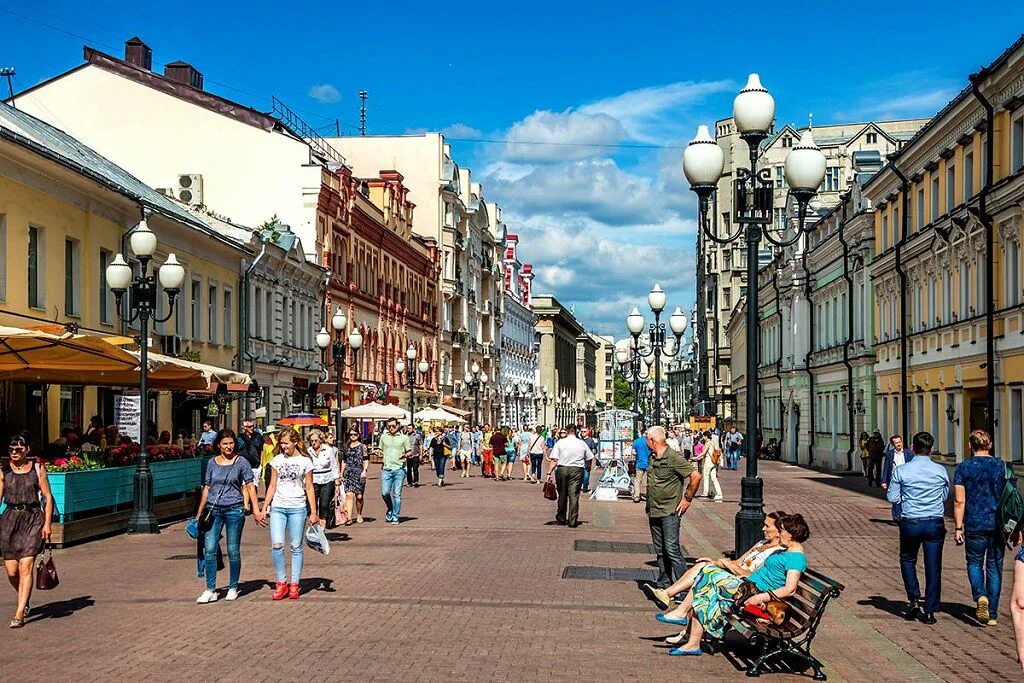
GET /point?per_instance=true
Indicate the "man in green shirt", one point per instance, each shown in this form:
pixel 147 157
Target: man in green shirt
pixel 397 448
pixel 667 471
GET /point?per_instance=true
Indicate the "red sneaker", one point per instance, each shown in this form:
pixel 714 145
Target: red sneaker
pixel 293 593
pixel 280 591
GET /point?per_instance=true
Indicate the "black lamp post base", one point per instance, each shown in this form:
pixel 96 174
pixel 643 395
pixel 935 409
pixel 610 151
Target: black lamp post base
pixel 143 521
pixel 750 518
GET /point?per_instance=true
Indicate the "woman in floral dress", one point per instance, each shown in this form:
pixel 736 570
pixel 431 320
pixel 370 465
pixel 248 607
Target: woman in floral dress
pixel 353 475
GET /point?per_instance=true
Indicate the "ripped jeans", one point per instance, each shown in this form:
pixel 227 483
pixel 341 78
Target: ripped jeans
pixel 292 520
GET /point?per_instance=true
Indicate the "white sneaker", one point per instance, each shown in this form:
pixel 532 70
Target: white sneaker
pixel 207 596
pixel 719 499
pixel 232 594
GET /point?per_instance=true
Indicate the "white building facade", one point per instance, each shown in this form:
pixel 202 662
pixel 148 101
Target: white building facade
pixel 519 368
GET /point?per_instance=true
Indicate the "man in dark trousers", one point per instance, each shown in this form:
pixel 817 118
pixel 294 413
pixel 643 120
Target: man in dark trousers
pixel 876 453
pixel 667 470
pixel 569 458
pixel 250 447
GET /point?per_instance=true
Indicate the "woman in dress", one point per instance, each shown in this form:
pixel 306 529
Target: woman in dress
pixel 25 524
pixel 864 438
pixel 712 597
pixel 465 453
pixel 353 475
pixel 326 476
pixel 228 483
pixel 289 497
pixel 750 561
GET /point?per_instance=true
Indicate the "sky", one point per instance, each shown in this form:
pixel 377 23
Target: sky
pixel 573 115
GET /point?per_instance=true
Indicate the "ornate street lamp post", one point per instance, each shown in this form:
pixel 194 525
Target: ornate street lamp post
pixel 323 341
pixel 658 345
pixel 410 377
pixel 544 398
pixel 475 383
pixel 753 204
pixel 632 367
pixel 142 307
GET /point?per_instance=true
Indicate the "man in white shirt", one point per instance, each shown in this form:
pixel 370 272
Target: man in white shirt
pixel 569 457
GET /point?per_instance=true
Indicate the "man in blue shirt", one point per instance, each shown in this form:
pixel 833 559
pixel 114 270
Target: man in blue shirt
pixel 977 486
pixel 921 488
pixel 642 451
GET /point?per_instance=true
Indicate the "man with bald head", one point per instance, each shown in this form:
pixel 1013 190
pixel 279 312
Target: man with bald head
pixel 667 501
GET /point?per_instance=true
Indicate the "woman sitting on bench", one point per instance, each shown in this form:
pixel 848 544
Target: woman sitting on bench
pixel 747 563
pixel 713 593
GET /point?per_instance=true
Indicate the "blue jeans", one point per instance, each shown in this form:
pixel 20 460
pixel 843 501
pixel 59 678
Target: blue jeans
pixel 984 566
pixel 536 463
pixel 292 520
pixel 665 535
pixel 439 464
pixel 391 490
pixel 931 533
pixel 230 520
pixel 586 479
pixel 732 458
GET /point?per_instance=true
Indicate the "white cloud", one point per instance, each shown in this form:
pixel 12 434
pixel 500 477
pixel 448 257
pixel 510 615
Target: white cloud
pixel 325 93
pixel 546 136
pixel 461 130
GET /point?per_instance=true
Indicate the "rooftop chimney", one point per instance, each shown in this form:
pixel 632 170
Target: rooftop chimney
pixel 138 53
pixel 183 72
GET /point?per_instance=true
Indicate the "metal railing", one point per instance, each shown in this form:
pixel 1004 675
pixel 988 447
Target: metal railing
pixel 299 128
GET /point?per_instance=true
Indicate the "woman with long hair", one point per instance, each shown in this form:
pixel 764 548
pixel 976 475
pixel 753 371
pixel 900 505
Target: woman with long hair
pixel 289 497
pixel 353 475
pixel 228 484
pixel 25 524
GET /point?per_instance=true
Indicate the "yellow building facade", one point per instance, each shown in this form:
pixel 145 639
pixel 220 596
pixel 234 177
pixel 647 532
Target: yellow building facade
pixel 63 213
pixel 934 291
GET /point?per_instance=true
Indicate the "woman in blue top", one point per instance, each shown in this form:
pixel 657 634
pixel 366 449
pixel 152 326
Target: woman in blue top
pixel 776 579
pixel 229 482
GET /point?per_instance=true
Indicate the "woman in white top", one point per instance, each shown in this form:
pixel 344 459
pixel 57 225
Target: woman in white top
pixel 744 566
pixel 326 476
pixel 289 494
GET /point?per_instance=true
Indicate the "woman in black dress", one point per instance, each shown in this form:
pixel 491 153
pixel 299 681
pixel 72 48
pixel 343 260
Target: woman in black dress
pixel 353 475
pixel 25 524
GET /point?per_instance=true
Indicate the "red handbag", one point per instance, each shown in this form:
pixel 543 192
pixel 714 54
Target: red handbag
pixel 550 492
pixel 46 572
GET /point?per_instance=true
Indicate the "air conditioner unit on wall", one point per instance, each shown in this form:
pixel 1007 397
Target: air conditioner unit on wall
pixel 170 345
pixel 190 189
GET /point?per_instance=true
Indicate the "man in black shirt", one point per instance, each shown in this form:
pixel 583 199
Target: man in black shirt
pixel 250 447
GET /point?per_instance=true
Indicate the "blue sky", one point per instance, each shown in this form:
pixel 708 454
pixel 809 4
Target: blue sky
pixel 604 213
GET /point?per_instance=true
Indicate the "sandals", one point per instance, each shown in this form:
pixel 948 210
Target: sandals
pixel 17 623
pixel 359 520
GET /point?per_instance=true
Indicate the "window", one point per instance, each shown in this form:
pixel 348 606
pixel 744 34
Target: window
pixel 934 421
pixel 965 291
pixel 950 187
pixel 872 138
pixel 71 410
pixel 211 309
pixel 951 445
pixel 947 296
pixel 897 228
pixel 968 173
pixel 72 277
pixel 885 413
pixel 885 230
pixel 1017 143
pixel 1015 424
pixel 919 410
pixel 935 196
pixel 787 141
pixel 980 290
pixel 3 259
pixel 832 175
pixel 933 310
pixel 36 259
pixel 726 297
pixel 920 208
pixel 197 309
pixel 106 296
pixel 1012 270
pixel 780 178
pixel 228 315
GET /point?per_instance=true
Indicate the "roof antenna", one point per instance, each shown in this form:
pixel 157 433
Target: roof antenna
pixel 810 121
pixel 8 72
pixel 362 112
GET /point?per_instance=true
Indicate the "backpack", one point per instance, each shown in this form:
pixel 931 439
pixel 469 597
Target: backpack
pixel 1010 507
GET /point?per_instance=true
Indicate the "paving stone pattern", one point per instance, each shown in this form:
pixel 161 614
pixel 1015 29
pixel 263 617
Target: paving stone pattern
pixel 469 588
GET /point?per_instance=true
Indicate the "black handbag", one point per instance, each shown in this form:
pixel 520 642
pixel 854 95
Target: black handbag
pixel 46 572
pixel 550 492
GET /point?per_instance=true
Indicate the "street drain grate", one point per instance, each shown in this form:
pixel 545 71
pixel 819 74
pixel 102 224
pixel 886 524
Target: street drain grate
pixel 609 573
pixel 613 547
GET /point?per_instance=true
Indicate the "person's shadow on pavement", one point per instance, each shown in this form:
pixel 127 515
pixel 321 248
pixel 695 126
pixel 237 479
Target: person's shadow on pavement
pixel 61 608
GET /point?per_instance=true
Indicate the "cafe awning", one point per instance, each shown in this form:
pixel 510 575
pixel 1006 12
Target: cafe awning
pixel 37 356
pixel 168 368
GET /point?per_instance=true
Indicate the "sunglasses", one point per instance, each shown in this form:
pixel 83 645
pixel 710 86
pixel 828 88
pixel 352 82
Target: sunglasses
pixel 16 449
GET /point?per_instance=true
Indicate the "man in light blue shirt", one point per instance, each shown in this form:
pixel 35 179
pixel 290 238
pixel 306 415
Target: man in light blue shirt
pixel 642 451
pixel 921 487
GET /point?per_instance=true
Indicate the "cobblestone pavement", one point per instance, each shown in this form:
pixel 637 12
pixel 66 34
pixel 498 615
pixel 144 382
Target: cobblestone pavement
pixel 469 588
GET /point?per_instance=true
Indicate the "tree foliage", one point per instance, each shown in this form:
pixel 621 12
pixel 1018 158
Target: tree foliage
pixel 623 396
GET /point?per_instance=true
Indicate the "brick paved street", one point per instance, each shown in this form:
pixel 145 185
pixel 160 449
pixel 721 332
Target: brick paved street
pixel 470 589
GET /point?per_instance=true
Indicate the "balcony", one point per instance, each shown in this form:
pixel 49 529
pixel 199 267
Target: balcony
pixel 488 349
pixel 487 308
pixel 460 338
pixel 472 297
pixel 460 242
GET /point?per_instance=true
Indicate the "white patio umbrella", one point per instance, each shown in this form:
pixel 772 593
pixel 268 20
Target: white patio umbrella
pixel 376 411
pixel 437 415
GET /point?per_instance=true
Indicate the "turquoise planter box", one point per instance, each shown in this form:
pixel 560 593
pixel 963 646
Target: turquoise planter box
pixel 111 487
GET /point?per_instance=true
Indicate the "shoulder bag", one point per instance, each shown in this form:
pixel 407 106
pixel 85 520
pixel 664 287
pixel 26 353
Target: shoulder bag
pixel 46 572
pixel 550 492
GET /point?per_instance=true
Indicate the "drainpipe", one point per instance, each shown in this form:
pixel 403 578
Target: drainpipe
pixel 986 220
pixel 243 333
pixel 778 361
pixel 844 200
pixel 810 351
pixel 904 229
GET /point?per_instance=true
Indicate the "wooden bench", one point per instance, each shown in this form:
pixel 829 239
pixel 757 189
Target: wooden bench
pixel 794 636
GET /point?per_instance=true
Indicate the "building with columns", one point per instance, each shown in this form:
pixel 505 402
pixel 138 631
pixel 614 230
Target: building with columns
pixel 518 341
pixel 559 365
pixel 469 233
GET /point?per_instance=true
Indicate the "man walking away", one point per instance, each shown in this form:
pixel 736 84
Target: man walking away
pixel 412 464
pixel 734 446
pixel 396 448
pixel 569 457
pixel 642 453
pixel 538 447
pixel 876 453
pixel 921 488
pixel 250 447
pixel 977 486
pixel 666 504
pixel 896 455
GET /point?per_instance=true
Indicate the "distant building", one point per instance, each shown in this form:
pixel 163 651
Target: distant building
pixel 560 364
pixel 518 341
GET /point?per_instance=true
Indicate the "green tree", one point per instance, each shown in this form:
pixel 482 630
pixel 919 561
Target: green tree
pixel 623 396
